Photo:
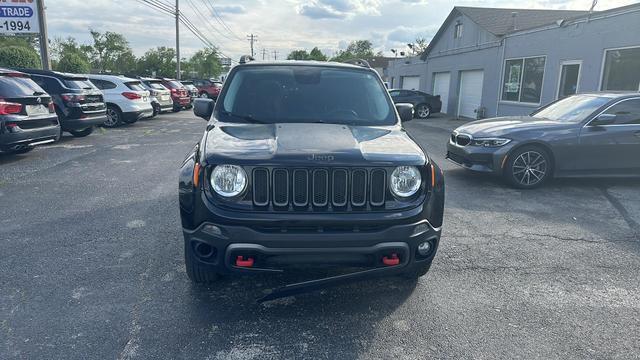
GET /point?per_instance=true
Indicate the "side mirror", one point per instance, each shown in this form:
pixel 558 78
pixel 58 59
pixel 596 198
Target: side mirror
pixel 405 111
pixel 203 108
pixel 604 119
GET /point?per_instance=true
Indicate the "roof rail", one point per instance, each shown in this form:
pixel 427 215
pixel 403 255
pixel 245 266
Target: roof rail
pixel 245 59
pixel 358 62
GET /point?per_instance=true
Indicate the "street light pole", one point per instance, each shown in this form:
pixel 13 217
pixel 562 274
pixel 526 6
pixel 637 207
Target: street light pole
pixel 178 39
pixel 44 37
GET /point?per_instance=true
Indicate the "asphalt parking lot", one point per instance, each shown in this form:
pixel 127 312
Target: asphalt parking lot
pixel 92 267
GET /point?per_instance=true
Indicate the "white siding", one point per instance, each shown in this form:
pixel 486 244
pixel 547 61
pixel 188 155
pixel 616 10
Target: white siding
pixel 441 82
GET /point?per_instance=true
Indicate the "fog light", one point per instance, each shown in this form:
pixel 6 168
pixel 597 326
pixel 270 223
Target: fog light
pixel 424 248
pixel 212 230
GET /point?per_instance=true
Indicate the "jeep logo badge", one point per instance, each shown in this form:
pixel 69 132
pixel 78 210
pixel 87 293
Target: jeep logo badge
pixel 316 157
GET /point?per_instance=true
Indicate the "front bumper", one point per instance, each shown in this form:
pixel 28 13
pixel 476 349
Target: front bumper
pixel 478 158
pixel 275 251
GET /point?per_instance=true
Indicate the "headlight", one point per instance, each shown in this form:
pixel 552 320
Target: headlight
pixel 228 180
pixel 405 181
pixel 490 142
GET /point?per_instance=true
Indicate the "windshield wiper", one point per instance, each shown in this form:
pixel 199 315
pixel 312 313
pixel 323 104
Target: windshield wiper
pixel 247 118
pixel 38 93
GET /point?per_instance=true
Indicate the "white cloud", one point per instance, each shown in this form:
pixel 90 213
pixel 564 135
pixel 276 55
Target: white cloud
pixel 281 25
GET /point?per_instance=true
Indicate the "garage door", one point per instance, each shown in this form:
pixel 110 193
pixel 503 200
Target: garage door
pixel 470 97
pixel 441 83
pixel 411 82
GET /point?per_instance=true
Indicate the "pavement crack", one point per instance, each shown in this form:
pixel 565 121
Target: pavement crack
pixel 622 211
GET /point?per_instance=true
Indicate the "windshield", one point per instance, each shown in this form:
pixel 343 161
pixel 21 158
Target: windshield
pixel 14 86
pixel 135 86
pixel 78 84
pixel 573 109
pixel 288 94
pixel 157 86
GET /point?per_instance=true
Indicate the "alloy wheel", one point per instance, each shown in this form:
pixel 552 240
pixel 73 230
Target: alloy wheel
pixel 423 112
pixel 112 118
pixel 530 168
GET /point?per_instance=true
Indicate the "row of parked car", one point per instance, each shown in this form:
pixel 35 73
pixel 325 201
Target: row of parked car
pixel 37 106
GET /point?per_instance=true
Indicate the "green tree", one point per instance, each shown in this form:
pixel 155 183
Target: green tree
pixel 73 63
pixel 108 47
pixel 160 61
pixel 204 64
pixel 75 56
pixel 317 55
pixel 359 49
pixel 19 56
pixel 298 55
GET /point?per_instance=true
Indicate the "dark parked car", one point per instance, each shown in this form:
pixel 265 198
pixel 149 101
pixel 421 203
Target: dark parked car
pixel 594 134
pixel 179 94
pixel 307 164
pixel 208 88
pixel 27 114
pixel 424 104
pixel 78 103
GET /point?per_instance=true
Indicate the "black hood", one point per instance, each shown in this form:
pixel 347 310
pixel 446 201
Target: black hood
pixel 307 144
pixel 504 126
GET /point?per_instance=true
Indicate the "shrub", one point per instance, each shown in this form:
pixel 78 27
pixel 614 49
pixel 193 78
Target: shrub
pixel 73 63
pixel 19 56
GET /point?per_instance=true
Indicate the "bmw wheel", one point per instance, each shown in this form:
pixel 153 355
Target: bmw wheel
pixel 114 117
pixel 529 167
pixel 423 111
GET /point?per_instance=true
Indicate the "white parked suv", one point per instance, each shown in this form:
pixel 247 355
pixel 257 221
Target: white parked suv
pixel 127 99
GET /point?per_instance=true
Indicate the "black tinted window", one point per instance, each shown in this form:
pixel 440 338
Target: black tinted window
pixel 135 86
pixel 274 94
pixel 18 87
pixel 156 85
pixel 78 84
pixel 626 112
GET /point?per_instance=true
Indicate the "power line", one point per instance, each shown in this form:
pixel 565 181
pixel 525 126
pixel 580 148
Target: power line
pixel 207 22
pixel 219 19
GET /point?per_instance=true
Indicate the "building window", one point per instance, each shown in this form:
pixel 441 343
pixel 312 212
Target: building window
pixel 457 34
pixel 523 80
pixel 621 70
pixel 569 78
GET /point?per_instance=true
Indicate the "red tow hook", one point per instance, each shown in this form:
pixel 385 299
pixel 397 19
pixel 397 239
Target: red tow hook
pixel 241 262
pixel 392 260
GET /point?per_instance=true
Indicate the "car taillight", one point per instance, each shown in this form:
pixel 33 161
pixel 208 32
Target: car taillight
pixel 131 95
pixel 7 108
pixel 72 98
pixel 174 91
pixel 52 108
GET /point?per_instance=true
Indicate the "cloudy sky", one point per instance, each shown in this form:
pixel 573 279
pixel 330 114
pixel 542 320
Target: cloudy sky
pixel 281 25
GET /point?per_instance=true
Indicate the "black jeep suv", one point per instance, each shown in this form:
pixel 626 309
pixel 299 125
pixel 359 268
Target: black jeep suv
pixel 307 164
pixel 79 104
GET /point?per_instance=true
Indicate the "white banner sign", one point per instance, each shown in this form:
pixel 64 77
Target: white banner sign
pixel 19 17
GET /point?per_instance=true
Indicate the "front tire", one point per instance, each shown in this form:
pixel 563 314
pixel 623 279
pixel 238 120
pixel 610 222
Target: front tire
pixel 197 272
pixel 529 167
pixel 423 111
pixel 81 133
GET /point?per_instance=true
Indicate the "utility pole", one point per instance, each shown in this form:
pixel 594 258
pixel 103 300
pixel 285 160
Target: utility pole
pixel 178 39
pixel 275 54
pixel 264 54
pixel 252 39
pixel 44 37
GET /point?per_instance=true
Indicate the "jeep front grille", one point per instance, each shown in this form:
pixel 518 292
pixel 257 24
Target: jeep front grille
pixel 317 189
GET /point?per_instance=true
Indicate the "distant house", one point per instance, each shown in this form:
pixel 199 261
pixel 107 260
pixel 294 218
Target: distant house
pixel 492 62
pixel 380 64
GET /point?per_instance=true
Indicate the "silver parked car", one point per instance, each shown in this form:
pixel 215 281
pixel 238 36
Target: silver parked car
pixel 160 95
